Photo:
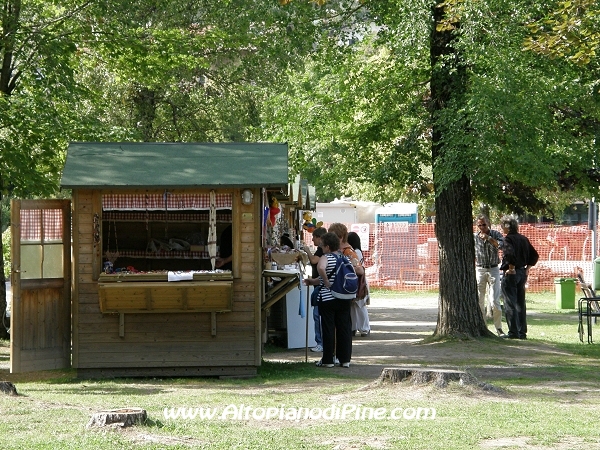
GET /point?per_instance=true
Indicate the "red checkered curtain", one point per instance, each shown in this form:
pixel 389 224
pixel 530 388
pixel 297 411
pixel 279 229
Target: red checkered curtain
pixel 171 216
pixel 165 201
pixel 41 225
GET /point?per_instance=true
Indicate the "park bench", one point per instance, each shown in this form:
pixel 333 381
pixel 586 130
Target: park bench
pixel 589 307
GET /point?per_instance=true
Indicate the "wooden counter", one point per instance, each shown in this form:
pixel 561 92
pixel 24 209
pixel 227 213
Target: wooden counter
pixel 152 293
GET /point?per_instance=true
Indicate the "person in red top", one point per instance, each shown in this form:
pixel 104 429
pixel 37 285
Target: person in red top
pixel 341 231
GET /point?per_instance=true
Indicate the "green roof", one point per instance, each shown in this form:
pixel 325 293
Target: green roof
pixel 175 165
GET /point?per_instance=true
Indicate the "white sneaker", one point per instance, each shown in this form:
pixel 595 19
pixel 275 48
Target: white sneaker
pixel 336 361
pixel 317 348
pixel 319 363
pixel 346 365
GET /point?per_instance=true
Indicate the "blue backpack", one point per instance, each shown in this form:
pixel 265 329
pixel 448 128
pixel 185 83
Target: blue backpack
pixel 345 281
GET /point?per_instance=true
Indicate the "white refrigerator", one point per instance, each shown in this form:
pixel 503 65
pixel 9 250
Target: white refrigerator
pixel 296 324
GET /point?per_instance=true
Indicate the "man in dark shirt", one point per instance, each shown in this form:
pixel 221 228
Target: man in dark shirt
pixel 314 259
pixel 518 256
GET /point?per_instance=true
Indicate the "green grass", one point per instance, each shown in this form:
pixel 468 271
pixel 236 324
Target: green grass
pixel 55 416
pixel 550 402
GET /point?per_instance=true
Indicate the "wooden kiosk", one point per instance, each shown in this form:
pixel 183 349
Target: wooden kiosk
pixel 147 222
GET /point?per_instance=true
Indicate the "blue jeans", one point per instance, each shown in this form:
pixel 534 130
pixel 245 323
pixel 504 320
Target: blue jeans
pixel 314 300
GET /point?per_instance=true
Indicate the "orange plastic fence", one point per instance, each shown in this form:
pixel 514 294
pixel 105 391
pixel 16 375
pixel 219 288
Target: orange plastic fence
pixel 403 256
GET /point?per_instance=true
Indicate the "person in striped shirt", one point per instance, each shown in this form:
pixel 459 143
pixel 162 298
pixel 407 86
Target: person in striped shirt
pixel 335 313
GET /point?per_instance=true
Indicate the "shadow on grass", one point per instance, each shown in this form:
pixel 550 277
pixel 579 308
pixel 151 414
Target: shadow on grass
pixel 292 372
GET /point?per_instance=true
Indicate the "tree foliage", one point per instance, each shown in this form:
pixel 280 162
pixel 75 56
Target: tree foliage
pixel 36 82
pixel 569 31
pixel 195 70
pixel 524 132
pixel 355 115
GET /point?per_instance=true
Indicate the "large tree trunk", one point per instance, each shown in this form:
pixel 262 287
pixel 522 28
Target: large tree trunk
pixel 10 27
pixel 3 320
pixel 144 100
pixel 459 314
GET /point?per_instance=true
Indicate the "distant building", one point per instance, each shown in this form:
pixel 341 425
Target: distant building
pixel 347 211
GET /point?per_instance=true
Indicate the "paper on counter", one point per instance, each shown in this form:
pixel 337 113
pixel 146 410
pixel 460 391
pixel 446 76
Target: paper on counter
pixel 180 276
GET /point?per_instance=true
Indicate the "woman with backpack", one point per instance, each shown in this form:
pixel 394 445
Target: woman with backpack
pixel 336 324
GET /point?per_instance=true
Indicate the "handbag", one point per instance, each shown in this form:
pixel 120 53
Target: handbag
pixel 363 288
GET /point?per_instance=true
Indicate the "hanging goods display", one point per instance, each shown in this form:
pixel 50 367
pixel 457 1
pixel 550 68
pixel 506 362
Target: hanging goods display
pixel 112 256
pixel 212 230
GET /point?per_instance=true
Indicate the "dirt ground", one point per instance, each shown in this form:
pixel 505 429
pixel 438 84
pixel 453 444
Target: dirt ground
pixel 396 325
pixel 397 329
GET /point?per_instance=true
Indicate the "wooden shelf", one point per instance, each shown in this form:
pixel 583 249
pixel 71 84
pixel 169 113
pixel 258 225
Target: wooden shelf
pixel 175 254
pixel 286 280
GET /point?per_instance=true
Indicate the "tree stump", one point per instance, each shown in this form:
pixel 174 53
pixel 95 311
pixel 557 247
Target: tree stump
pixel 124 417
pixel 6 387
pixel 439 377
